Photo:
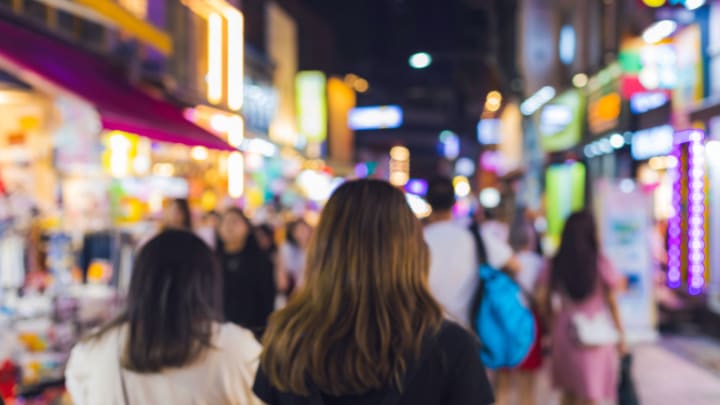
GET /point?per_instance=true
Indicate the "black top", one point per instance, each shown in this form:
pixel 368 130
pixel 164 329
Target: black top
pixel 249 287
pixel 449 373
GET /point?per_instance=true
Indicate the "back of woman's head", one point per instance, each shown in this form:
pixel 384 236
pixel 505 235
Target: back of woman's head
pixel 575 267
pixel 365 308
pixel 174 297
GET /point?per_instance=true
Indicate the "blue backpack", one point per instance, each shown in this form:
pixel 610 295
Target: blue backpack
pixel 500 315
pixel 504 322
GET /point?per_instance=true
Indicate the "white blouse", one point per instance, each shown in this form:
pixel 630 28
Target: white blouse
pixel 223 375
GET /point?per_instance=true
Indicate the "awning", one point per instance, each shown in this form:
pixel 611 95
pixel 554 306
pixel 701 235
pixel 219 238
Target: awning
pixel 41 60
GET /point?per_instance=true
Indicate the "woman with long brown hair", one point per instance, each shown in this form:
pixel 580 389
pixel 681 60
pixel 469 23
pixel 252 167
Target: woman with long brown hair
pixel 585 360
pixel 364 328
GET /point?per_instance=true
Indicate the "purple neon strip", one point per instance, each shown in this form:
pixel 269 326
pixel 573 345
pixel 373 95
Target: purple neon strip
pixel 674 275
pixel 696 214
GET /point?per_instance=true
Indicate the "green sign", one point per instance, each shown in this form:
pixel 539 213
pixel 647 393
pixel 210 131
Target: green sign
pixel 560 122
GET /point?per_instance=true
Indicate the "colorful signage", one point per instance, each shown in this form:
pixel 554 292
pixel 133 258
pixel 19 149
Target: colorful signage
pixel 689 89
pixel 565 188
pixel 375 117
pixel 310 90
pixel 624 224
pixel 652 142
pixel 560 122
pixel 641 103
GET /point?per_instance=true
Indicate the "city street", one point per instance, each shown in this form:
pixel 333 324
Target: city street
pixel 663 376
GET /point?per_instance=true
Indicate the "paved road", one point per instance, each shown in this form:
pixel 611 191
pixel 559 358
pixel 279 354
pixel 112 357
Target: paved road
pixel 662 376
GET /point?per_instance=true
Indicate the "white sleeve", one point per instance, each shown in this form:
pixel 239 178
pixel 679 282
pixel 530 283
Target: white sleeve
pixel 246 359
pixel 77 376
pixel 498 251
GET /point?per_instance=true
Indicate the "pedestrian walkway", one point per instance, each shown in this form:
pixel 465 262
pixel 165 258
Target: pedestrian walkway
pixel 666 378
pixel 663 374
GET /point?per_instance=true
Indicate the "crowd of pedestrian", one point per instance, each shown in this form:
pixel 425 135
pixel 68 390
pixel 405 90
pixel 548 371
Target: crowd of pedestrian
pixel 374 308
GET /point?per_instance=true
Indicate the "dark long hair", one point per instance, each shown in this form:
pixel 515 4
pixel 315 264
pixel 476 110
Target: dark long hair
pixel 175 297
pixel 575 267
pixel 183 206
pixel 365 308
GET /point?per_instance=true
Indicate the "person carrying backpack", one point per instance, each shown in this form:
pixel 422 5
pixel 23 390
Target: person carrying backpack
pixel 502 314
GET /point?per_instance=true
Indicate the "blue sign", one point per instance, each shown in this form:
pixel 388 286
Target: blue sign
pixel 375 117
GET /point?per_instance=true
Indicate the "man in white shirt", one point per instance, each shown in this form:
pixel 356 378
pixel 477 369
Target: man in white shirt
pixel 453 259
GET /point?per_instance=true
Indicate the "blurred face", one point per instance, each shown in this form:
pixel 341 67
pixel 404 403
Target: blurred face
pixel 302 234
pixel 173 216
pixel 233 229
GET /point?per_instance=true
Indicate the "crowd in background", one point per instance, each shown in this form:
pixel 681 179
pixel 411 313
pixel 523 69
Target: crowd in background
pixel 364 320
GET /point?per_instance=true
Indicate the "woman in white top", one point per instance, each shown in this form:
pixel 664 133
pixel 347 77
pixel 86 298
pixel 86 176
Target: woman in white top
pixel 168 346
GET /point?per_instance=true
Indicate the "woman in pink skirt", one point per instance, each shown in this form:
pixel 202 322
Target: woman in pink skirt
pixel 585 283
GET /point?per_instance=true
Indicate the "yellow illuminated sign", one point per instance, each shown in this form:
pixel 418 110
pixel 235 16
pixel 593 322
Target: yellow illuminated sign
pixel 310 88
pixel 127 21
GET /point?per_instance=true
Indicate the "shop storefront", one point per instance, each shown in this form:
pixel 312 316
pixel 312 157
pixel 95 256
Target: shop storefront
pixel 82 159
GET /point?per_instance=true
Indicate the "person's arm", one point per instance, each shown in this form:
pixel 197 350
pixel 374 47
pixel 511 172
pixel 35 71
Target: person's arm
pixel 617 320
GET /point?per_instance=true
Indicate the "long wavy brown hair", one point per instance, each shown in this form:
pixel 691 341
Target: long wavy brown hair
pixel 365 308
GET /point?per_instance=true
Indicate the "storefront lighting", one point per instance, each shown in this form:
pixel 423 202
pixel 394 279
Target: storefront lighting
pixel 375 117
pixel 449 144
pixel 199 153
pixel 465 167
pixel 163 169
pixel 236 175
pixel 311 102
pixel 420 60
pixel 361 85
pixel 617 141
pixel 654 3
pixel 400 153
pixel 462 186
pixel 493 101
pixel 219 123
pixel 490 198
pixel 659 31
pixel 657 141
pixel 712 150
pixel 215 58
pixel 533 103
pixel 418 205
pixel 236 131
pixel 236 58
pixel 694 4
pixel 580 80
pixel 627 186
pixel 567 45
pixel 120 148
pixel 259 146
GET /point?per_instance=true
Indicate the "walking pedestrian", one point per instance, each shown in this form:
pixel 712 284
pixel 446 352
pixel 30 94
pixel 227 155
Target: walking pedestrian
pixel 587 335
pixel 365 329
pixel 169 345
pixel 293 253
pixel 249 280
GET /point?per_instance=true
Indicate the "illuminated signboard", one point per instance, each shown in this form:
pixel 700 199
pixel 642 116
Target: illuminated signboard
pixel 643 102
pixel 565 194
pixel 560 122
pixel 652 142
pixel 310 90
pixel 375 117
pixel 604 113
